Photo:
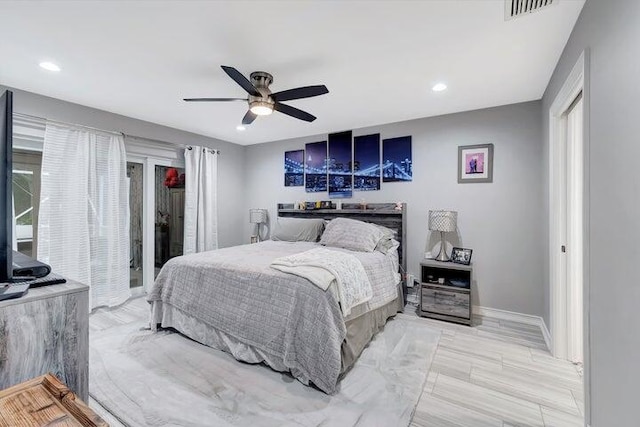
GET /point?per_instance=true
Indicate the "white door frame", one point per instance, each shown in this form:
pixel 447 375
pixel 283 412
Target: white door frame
pixel 575 231
pixel 573 86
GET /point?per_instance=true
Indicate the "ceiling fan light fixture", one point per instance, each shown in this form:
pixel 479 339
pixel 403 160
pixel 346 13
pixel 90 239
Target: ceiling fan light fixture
pixel 261 108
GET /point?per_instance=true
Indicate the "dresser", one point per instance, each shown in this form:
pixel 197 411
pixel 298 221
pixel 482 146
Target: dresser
pixel 46 330
pixel 445 291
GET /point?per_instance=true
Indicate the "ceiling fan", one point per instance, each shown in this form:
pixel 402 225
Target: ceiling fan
pixel 261 101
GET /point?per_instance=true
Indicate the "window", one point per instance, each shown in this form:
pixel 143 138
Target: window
pixel 26 199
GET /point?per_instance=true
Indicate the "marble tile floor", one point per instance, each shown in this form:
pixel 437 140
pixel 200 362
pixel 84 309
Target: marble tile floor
pixel 496 373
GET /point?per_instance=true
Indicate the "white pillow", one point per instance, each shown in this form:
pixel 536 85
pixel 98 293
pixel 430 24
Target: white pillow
pixel 351 234
pixel 297 229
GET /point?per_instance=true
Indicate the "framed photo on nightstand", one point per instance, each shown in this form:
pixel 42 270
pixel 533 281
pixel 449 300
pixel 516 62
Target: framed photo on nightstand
pixel 461 256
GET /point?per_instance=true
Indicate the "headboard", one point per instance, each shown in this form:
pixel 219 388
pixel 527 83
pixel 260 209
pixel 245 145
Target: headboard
pixel 377 213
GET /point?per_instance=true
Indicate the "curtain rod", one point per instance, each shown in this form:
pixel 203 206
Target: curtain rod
pixel 29 116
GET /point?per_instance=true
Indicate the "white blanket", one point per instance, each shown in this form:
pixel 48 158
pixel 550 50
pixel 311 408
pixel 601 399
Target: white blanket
pixel 323 266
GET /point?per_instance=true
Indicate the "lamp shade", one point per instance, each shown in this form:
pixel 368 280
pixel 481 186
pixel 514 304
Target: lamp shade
pixel 257 216
pixel 443 220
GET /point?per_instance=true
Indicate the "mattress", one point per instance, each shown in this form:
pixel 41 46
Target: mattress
pixel 232 300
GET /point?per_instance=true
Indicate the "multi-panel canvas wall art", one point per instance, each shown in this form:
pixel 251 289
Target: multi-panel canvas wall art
pixel 294 168
pixel 339 165
pixel 396 160
pixel 315 167
pixel 366 162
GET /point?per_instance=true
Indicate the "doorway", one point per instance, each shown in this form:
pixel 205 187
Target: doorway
pixel 169 208
pixel 567 210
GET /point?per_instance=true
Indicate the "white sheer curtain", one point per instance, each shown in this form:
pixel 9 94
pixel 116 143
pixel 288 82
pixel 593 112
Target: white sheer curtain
pixel 201 204
pixel 83 227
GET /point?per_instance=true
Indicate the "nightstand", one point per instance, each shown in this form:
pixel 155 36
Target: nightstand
pixel 449 300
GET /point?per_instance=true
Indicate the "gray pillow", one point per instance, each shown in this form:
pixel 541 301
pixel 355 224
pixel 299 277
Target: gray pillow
pixel 351 234
pixel 297 229
pixel 388 241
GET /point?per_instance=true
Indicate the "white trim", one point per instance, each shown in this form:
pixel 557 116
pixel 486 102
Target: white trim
pixel 512 316
pixel 546 334
pixel 572 87
pixel 137 292
pixel 148 223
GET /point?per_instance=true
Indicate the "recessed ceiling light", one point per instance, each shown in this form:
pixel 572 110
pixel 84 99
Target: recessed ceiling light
pixel 439 87
pixel 50 66
pixel 240 128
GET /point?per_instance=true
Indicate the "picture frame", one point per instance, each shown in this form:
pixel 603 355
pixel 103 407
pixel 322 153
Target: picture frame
pixel 397 163
pixel 254 239
pixel 294 168
pixel 475 163
pixel 461 256
pixel 340 165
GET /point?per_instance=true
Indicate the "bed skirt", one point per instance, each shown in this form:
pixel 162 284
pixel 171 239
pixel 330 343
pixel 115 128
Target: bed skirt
pixel 360 331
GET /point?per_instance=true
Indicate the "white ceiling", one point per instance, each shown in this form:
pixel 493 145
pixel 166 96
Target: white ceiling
pixel 379 59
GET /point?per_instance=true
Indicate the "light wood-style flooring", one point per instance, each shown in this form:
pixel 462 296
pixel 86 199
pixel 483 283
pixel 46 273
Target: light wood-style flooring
pixel 496 373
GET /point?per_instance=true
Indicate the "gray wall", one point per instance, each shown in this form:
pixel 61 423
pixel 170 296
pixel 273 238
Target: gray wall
pixel 501 221
pixel 610 30
pixel 231 163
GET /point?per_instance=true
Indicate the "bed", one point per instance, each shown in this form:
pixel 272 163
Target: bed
pixel 233 300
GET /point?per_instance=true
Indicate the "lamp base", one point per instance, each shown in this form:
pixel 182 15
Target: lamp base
pixel 442 255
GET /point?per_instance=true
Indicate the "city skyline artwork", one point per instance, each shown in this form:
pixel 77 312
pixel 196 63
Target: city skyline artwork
pixel 339 165
pixel 396 160
pixel 366 162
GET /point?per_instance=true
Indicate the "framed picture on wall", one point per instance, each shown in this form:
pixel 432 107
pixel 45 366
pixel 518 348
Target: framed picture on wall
pixel 315 167
pixel 475 163
pixel 397 165
pixel 339 164
pixel 294 168
pixel 366 162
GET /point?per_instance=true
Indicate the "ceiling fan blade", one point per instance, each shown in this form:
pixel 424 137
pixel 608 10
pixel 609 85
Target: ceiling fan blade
pixel 213 99
pixel 248 118
pixel 241 80
pixel 293 112
pixel 300 92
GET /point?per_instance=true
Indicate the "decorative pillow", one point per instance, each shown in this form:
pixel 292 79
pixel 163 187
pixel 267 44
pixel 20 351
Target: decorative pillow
pixel 351 234
pixel 388 241
pixel 297 229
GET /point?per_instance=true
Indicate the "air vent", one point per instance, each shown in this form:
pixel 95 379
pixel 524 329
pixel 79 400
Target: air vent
pixel 515 8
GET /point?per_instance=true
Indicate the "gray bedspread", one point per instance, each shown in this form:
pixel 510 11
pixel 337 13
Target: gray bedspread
pixel 284 316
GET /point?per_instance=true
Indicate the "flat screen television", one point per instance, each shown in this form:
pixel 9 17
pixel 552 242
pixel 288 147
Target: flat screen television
pixel 6 170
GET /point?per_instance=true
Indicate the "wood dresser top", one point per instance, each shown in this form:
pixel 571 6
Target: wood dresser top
pixel 45 401
pixel 49 291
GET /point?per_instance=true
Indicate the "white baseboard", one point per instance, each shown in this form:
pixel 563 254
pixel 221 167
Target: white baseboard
pixel 527 319
pixel 137 291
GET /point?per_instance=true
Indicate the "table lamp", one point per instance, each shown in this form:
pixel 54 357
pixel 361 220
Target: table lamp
pixel 442 221
pixel 258 216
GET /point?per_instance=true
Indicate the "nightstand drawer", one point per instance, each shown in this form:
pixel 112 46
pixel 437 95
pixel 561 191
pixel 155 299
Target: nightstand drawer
pixel 445 302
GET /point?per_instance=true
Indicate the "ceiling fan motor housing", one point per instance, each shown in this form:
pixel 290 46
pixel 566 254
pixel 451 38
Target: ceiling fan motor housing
pixel 261 80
